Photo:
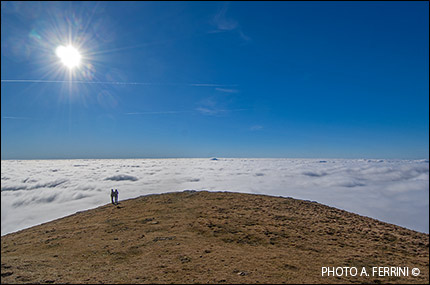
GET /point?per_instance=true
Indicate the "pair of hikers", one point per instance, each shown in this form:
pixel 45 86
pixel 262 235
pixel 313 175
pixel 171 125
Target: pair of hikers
pixel 114 196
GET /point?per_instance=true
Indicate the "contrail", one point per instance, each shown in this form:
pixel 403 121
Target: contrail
pixel 158 112
pixel 70 81
pixel 115 83
pixel 15 118
pixel 205 111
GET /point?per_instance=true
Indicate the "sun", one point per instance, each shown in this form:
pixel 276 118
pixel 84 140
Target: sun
pixel 69 56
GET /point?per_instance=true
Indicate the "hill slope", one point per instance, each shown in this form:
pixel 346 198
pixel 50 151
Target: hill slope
pixel 210 237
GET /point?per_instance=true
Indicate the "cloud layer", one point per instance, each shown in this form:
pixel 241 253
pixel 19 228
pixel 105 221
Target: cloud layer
pixel 37 191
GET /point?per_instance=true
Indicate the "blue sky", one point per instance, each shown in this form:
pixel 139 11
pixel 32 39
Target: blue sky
pixel 227 79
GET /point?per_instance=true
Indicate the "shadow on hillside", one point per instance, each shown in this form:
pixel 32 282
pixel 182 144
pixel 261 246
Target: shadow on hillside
pixel 118 206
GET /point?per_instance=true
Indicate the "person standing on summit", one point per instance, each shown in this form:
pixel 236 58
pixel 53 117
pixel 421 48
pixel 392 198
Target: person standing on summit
pixel 116 196
pixel 112 196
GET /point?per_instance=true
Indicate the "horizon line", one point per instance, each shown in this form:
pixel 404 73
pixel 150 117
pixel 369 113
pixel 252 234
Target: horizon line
pixel 221 157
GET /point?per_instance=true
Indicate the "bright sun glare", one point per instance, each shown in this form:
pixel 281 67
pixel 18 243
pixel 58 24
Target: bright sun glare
pixel 69 56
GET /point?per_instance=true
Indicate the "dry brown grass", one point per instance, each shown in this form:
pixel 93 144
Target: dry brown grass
pixel 210 237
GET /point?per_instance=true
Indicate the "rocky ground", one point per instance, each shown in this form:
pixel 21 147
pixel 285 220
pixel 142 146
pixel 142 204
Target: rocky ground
pixel 211 237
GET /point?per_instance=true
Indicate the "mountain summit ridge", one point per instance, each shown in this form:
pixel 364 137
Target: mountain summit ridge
pixel 211 237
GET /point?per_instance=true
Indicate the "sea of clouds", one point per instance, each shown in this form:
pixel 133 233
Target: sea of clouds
pixel 38 191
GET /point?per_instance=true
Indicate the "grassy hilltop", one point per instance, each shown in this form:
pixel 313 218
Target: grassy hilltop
pixel 210 237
